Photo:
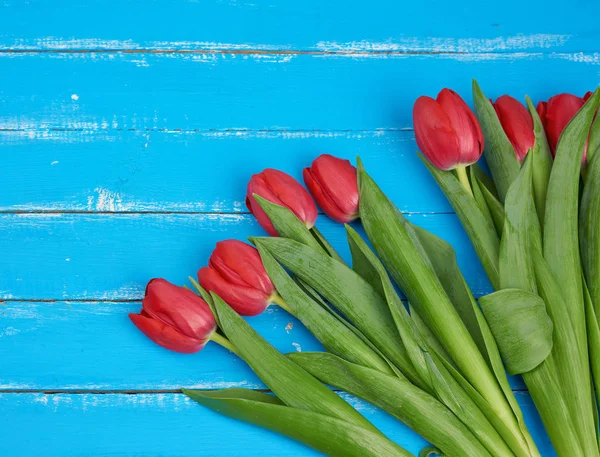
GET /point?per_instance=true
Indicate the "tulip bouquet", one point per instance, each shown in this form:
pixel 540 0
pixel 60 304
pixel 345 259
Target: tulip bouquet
pixel 400 327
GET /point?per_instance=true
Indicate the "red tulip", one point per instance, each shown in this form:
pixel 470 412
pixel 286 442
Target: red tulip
pixel 332 183
pixel 517 124
pixel 281 189
pixel 236 273
pixel 557 113
pixel 174 317
pixel 447 131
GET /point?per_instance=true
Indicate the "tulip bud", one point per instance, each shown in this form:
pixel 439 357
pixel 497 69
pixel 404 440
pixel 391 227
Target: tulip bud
pixel 281 189
pixel 556 113
pixel 236 273
pixel 174 317
pixel 332 183
pixel 517 124
pixel 447 131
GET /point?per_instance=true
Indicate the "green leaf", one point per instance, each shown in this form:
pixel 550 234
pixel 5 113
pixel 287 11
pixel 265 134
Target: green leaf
pixel 481 231
pixel 419 410
pixel 289 382
pixel 561 246
pixel 408 333
pixel 594 141
pixel 485 180
pixel 593 326
pixel 495 207
pixel 561 243
pixel 542 162
pixel 206 297
pixel 521 233
pixel 329 249
pixel 521 326
pixel 430 450
pixel 287 223
pixel 386 229
pixel 589 229
pixel 335 336
pixel 350 294
pixel 479 197
pixel 570 369
pixel 328 435
pixel 499 152
pixel 443 259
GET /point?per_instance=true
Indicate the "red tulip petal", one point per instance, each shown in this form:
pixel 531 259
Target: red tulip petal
pixel 323 200
pixel 517 124
pixel 244 300
pixel 465 124
pixel 336 179
pixel 166 336
pixel 240 264
pixel 291 193
pixel 559 111
pixel 179 308
pixel 434 134
pixel 258 186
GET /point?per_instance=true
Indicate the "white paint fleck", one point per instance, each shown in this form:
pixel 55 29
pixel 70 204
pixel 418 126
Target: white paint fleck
pixel 289 327
pixel 67 259
pixel 41 398
pixel 449 45
pixel 297 346
pixel 9 331
pixel 107 200
pixel 54 163
pixel 74 97
pixel 579 57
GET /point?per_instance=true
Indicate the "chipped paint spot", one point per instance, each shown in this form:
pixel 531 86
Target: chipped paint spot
pixel 107 200
pixel 297 346
pixel 54 163
pixel 9 331
pixel 289 327
pixel 579 57
pixel 74 97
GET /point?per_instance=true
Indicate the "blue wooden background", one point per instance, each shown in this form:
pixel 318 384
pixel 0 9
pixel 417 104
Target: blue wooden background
pixel 128 131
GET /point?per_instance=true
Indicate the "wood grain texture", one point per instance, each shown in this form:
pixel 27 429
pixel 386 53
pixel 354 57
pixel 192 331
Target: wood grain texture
pixel 165 425
pixel 93 91
pixel 127 171
pixel 127 135
pixel 112 256
pixel 434 26
pixel 93 345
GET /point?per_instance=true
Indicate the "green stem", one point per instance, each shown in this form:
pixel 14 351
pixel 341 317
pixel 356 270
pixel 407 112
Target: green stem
pixel 222 341
pixel 279 301
pixel 463 178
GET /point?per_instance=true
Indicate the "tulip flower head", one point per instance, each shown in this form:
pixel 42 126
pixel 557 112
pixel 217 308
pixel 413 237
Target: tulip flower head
pixel 447 131
pixel 236 273
pixel 174 317
pixel 332 183
pixel 517 124
pixel 280 188
pixel 556 113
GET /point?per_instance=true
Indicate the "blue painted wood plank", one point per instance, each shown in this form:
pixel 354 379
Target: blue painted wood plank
pixel 277 91
pixel 108 256
pixel 166 425
pixel 79 345
pixel 189 172
pixel 434 26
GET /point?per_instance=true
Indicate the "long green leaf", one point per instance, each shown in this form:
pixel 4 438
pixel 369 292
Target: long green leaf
pixel 388 234
pixel 330 331
pixel 520 235
pixel 495 207
pixel 499 152
pixel 289 382
pixel 481 231
pixel 361 254
pixel 520 256
pixel 443 259
pixel 542 162
pixel 326 434
pixel 411 405
pixel 350 294
pixel 479 197
pixel 561 247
